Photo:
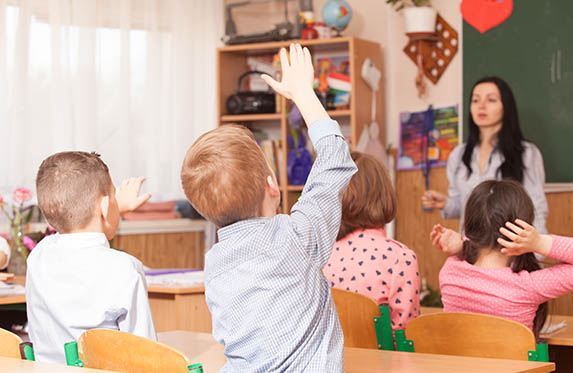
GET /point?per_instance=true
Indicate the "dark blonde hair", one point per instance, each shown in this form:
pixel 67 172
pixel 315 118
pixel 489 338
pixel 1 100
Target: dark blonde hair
pixel 490 205
pixel 370 200
pixel 224 175
pixel 68 185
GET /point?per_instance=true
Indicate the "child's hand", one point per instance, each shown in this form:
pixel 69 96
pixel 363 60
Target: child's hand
pixel 297 75
pixel 127 195
pixel 447 240
pixel 296 84
pixel 523 239
pixel 434 200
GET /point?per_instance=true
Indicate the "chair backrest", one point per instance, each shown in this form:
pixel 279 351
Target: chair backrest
pixel 124 352
pixel 356 313
pixel 470 334
pixel 9 344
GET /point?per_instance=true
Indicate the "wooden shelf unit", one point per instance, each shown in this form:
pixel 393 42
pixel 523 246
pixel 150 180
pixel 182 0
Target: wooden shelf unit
pixel 232 62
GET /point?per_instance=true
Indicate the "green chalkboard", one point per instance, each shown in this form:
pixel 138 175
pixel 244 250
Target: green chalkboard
pixel 533 51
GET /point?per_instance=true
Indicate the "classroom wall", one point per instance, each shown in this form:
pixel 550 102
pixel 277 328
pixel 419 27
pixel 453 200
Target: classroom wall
pixel 377 21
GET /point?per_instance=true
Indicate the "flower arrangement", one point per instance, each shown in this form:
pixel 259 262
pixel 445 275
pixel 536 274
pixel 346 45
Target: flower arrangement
pixel 18 215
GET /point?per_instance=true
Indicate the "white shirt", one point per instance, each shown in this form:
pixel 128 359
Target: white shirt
pixel 461 186
pixel 76 282
pixel 4 247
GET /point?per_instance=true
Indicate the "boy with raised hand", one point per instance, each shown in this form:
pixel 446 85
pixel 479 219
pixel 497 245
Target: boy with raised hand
pixel 271 305
pixel 75 281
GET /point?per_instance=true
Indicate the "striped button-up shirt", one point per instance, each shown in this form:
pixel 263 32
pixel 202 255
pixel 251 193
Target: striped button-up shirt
pixel 270 303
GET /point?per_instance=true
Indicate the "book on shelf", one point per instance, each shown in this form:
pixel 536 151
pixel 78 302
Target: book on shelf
pixel 272 149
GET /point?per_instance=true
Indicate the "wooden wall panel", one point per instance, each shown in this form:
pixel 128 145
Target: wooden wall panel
pixel 165 250
pixel 413 225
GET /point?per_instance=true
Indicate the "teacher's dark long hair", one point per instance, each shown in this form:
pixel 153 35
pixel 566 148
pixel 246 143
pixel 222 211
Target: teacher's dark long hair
pixel 510 136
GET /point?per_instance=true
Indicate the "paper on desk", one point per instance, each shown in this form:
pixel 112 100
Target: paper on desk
pixel 185 279
pixel 11 289
pixel 550 328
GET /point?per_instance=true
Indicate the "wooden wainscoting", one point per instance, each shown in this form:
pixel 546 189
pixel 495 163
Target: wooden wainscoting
pixel 165 250
pixel 413 225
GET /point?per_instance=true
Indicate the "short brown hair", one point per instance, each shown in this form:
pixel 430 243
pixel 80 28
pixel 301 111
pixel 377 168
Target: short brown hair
pixel 370 200
pixel 68 185
pixel 224 175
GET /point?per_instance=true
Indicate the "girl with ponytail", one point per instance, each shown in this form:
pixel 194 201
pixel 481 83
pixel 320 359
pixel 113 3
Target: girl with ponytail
pixel 492 268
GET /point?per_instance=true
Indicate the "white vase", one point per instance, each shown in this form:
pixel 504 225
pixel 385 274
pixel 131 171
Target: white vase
pixel 420 19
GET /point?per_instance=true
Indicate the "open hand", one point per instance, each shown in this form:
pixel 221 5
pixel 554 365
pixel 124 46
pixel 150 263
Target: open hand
pixel 523 238
pixel 434 200
pixel 447 240
pixel 127 195
pixel 297 75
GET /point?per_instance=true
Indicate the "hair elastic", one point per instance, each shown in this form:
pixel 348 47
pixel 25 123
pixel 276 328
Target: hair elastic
pixel 465 238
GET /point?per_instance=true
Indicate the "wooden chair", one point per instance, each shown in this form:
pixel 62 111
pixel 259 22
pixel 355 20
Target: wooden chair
pixel 471 334
pixel 364 323
pixel 9 344
pixel 119 351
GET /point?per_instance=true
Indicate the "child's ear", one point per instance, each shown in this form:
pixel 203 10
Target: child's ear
pixel 104 206
pixel 272 187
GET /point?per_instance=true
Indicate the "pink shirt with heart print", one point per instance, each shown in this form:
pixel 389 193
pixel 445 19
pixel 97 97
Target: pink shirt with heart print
pixel 369 263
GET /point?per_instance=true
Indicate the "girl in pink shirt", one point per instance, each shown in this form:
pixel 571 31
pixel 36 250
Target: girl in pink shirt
pixel 363 259
pixel 495 270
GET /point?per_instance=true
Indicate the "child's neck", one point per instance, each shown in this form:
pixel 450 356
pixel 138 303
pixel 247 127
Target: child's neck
pixel 491 258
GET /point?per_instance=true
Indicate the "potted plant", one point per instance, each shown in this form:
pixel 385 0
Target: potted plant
pixel 419 15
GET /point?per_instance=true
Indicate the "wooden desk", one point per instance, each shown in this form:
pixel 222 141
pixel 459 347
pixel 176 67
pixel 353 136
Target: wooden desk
pixel 24 366
pixel 202 348
pixel 19 301
pixel 179 309
pixel 561 337
pixel 172 308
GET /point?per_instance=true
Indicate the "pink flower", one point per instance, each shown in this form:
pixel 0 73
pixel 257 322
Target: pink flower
pixel 21 195
pixel 29 243
pixel 1 200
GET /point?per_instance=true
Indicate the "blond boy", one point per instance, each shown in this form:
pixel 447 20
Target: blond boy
pixel 271 305
pixel 75 281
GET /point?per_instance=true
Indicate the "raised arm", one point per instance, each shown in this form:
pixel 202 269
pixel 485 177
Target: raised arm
pixel 316 216
pixel 127 195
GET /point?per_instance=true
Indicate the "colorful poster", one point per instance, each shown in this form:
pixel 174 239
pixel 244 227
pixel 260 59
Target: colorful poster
pixel 438 140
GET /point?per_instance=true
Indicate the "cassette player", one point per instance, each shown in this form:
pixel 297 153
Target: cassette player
pixel 251 102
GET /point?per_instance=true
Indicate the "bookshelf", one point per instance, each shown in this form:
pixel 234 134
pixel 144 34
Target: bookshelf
pixel 232 62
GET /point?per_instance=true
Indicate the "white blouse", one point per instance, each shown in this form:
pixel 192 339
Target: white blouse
pixel 461 186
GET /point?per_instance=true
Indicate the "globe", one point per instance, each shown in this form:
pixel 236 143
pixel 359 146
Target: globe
pixel 337 13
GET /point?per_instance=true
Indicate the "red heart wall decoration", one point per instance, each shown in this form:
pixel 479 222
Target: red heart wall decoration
pixel 486 14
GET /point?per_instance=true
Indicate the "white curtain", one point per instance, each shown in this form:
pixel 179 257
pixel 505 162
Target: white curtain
pixel 134 80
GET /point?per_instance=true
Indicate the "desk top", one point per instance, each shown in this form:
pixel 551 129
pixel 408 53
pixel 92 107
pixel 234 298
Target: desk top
pixel 202 348
pixel 25 366
pixel 175 290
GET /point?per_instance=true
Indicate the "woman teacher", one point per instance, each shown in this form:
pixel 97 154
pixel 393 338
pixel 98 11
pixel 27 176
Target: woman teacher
pixel 495 149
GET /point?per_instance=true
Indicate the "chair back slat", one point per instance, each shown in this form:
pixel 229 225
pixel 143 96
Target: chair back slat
pixel 9 344
pixel 124 352
pixel 356 314
pixel 470 334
